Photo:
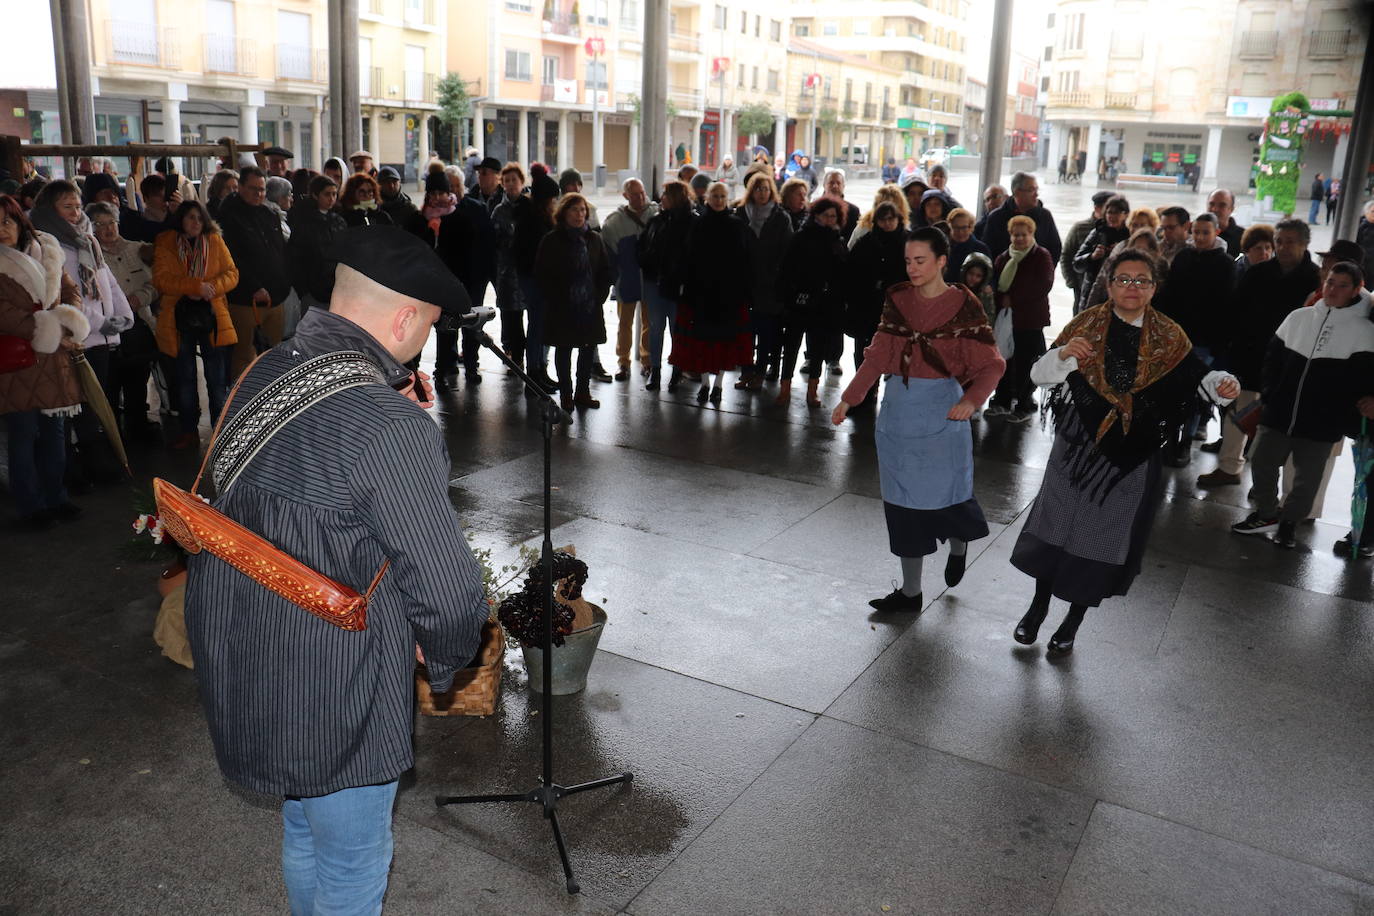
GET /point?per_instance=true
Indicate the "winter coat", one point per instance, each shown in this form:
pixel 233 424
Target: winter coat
pixel 135 278
pixel 662 251
pixel 38 303
pixel 1364 237
pixel 1262 300
pixel 766 251
pixel 850 222
pixel 253 237
pixel 1029 295
pixel 497 198
pixel 719 277
pixel 728 175
pixel 507 284
pixel 171 279
pixel 1084 262
pixel 1317 365
pixel 568 323
pixel 1072 242
pixel 467 244
pixel 400 208
pixel 811 282
pixel 312 235
pixel 530 229
pixel 958 252
pixel 1196 294
pixel 877 261
pixel 1232 235
pixel 808 175
pixel 361 216
pixel 998 239
pixel 107 303
pixel 797 218
pixel 621 234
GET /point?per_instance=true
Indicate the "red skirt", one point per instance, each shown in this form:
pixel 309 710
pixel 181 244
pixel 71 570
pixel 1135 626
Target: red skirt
pixel 702 346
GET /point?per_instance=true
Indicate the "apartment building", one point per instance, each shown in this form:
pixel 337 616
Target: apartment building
pixel 174 72
pixel 842 102
pixel 1188 91
pixel 402 51
pixel 924 42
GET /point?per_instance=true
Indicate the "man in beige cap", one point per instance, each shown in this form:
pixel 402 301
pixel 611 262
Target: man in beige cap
pixel 362 162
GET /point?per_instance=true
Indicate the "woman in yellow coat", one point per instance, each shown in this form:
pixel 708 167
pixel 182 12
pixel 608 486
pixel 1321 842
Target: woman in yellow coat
pixel 193 271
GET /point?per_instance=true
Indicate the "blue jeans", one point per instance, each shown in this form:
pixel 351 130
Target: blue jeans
pixel 1314 210
pixel 336 850
pixel 38 458
pixel 216 361
pixel 661 312
pixel 534 330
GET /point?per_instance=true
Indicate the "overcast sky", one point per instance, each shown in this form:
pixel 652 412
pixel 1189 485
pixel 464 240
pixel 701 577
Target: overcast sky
pixel 28 62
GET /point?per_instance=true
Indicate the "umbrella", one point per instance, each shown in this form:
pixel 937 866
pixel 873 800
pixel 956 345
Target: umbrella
pixel 1363 453
pixel 96 400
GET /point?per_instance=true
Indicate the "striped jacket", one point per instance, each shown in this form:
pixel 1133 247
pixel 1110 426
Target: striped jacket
pixel 295 705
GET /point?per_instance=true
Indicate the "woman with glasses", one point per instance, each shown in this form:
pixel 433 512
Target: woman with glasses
pixel 1121 376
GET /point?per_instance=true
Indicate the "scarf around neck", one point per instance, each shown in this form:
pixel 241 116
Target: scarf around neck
pixel 1163 345
pixel 969 323
pixel 193 252
pixel 79 237
pixel 435 212
pixel 758 216
pixel 1014 259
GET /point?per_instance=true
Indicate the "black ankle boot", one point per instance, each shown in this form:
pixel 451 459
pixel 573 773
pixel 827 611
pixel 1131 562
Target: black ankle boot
pixel 654 377
pixel 954 568
pixel 1061 643
pixel 1029 626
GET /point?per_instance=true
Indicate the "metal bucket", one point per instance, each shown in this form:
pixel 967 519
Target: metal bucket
pixel 571 661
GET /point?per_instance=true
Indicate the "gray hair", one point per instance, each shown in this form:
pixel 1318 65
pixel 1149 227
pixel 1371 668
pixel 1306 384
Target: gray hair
pixel 625 185
pixel 938 169
pixel 995 187
pixel 834 171
pixel 104 207
pixel 278 189
pixel 1019 180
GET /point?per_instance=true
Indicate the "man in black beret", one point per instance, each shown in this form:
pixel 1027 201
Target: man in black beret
pixel 278 161
pixel 395 203
pixel 489 192
pixel 357 477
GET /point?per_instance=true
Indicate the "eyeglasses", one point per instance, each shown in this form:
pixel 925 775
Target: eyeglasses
pixel 1121 281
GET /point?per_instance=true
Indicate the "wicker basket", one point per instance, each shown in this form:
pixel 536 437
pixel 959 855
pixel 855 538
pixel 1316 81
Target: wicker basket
pixel 475 688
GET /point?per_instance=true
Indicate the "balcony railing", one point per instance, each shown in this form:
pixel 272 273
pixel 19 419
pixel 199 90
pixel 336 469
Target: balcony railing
pixel 889 112
pixel 141 44
pixel 419 87
pixel 685 41
pixel 1126 100
pixel 1073 99
pixel 419 12
pixel 685 98
pixel 298 62
pixel 1259 45
pixel 848 109
pixel 1130 46
pixel 373 83
pixel 870 110
pixel 1329 45
pixel 562 24
pixel 232 55
pixel 806 105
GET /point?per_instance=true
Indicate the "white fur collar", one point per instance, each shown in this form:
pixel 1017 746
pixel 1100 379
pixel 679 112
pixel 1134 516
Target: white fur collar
pixel 25 271
pixel 38 270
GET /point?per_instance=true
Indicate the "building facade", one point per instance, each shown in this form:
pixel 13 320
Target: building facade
pixel 402 54
pixel 1186 93
pixel 842 105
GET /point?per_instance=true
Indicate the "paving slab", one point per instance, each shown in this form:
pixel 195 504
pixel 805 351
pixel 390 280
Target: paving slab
pixel 848 821
pixel 1131 863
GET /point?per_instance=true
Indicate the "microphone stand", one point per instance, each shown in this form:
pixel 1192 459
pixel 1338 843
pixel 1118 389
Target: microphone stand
pixel 548 792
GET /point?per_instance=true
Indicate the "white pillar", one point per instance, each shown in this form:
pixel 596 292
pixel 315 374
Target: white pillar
pixel 1338 163
pixel 540 132
pixel 316 137
pixel 780 136
pixel 1213 154
pixel 423 147
pixel 564 143
pixel 522 137
pixel 1094 145
pixel 479 131
pixel 726 142
pixel 696 141
pixel 598 147
pixel 1059 143
pixel 248 124
pixel 634 145
pixel 171 125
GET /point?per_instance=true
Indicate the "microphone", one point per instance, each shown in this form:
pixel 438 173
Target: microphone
pixel 477 317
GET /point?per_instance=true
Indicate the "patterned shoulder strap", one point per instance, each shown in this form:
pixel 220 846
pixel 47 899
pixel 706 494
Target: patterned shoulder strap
pixel 282 401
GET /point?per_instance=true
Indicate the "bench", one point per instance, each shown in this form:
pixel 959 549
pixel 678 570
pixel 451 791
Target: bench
pixel 1166 180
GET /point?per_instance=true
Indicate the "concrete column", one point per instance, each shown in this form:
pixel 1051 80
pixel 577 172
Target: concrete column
pixel 423 150
pixel 171 125
pixel 696 141
pixel 248 124
pixel 522 137
pixel 634 146
pixel 1338 157
pixel 780 136
pixel 598 146
pixel 1212 156
pixel 726 143
pixel 1350 205
pixel 316 141
pixel 335 39
pixel 564 144
pixel 995 116
pixel 1094 152
pixel 348 91
pixel 654 137
pixel 479 131
pixel 1059 144
pixel 540 133
pixel 72 46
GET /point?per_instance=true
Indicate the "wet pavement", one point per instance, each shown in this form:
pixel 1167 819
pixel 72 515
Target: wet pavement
pixel 1205 749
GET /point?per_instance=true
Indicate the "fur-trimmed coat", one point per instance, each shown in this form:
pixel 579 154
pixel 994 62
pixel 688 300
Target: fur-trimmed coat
pixel 40 303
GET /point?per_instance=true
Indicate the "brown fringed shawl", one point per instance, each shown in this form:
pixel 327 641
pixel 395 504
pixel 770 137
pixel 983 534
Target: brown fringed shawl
pixel 970 322
pixel 1163 345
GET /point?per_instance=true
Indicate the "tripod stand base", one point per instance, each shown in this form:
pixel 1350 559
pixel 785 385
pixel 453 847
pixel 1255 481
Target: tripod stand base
pixel 547 796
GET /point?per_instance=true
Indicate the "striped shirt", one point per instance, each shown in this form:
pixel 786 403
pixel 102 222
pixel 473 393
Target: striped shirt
pixel 297 706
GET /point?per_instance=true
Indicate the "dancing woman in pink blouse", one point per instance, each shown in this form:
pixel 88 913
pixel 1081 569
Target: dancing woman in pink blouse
pixel 936 350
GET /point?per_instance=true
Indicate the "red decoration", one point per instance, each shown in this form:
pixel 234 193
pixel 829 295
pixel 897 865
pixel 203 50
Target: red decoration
pixel 595 47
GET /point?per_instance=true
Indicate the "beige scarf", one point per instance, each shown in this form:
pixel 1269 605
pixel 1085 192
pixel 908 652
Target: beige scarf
pixel 1014 259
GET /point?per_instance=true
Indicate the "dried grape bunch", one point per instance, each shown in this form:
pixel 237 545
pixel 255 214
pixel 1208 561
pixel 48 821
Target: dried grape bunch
pixel 567 569
pixel 522 613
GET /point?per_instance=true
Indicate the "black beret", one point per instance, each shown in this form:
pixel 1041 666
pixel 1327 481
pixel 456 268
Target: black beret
pixel 279 151
pixel 387 171
pixel 401 262
pixel 491 162
pixel 1101 197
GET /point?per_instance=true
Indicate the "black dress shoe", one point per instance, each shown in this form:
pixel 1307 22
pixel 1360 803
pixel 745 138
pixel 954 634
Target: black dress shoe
pixel 715 395
pixel 1061 643
pixel 600 374
pixel 1211 448
pixel 652 383
pixel 1028 628
pixel 623 375
pixel 772 375
pixel 473 377
pixel 954 568
pixel 674 379
pixel 703 393
pixel 441 382
pixel 898 601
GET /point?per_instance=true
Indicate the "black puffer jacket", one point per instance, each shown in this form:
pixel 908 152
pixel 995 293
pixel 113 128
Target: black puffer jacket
pixel 1084 262
pixel 1262 300
pixel 312 232
pixel 718 253
pixel 877 262
pixel 531 225
pixel 811 282
pixel 253 236
pixel 662 250
pixel 766 251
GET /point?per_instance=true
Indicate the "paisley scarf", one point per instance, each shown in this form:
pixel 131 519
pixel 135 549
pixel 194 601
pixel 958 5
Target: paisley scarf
pixel 970 323
pixel 1163 345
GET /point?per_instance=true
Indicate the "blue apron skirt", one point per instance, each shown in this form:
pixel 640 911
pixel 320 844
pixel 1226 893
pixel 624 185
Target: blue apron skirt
pixel 925 467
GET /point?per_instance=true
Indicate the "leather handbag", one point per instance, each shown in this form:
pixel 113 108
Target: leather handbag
pixel 196 316
pixel 16 353
pixel 196 525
